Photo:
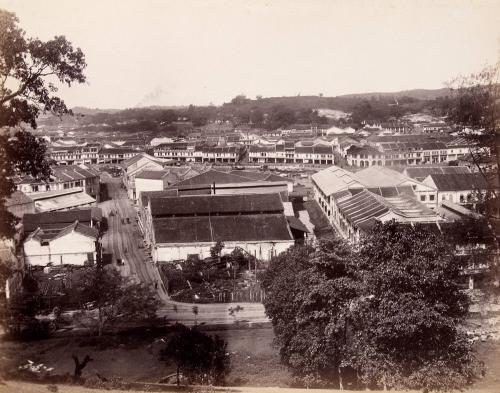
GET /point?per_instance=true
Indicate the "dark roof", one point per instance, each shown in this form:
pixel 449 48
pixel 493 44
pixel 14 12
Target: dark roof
pixel 153 175
pixel 253 227
pixel 421 172
pixel 295 223
pixel 213 176
pixel 31 221
pixel 260 176
pixel 216 204
pixel 73 172
pixel 145 195
pixel 458 182
pixel 55 233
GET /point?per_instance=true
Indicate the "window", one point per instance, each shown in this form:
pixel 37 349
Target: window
pixel 462 199
pixel 422 198
pixel 431 197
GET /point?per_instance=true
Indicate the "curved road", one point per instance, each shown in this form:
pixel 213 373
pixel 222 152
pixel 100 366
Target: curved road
pixel 122 241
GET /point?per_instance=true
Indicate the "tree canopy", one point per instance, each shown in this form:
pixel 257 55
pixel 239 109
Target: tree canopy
pixel 199 357
pixel 387 314
pixel 29 71
pixel 113 297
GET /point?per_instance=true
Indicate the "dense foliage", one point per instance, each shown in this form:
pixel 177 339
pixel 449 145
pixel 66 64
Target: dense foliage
pixel 385 315
pixel 103 290
pixel 28 69
pixel 200 358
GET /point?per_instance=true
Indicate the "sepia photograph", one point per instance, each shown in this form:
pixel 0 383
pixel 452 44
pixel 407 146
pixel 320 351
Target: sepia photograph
pixel 246 196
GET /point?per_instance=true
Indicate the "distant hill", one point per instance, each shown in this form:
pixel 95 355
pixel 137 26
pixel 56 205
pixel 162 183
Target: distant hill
pixel 419 94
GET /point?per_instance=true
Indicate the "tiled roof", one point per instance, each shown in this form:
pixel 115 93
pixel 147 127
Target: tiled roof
pixel 51 234
pixel 252 227
pixel 152 175
pixel 459 181
pixel 421 172
pixel 216 204
pixel 213 176
pixel 31 221
pixel 145 195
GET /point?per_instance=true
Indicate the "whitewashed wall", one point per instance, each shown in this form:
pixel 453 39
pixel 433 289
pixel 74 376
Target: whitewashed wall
pixel 71 249
pixel 262 250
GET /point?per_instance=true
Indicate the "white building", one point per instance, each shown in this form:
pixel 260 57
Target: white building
pixel 72 245
pixel 148 180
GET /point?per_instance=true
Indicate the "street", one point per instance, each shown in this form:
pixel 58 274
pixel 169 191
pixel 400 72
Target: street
pixel 122 241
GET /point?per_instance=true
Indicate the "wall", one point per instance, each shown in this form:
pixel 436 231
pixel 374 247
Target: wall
pixel 71 249
pixel 264 250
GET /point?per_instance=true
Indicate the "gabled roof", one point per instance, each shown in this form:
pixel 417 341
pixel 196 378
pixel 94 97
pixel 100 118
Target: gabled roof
pixel 216 204
pixel 366 205
pixel 459 181
pixel 213 176
pixel 135 159
pixel 145 195
pixel 152 175
pixel 335 179
pixel 50 234
pixel 31 221
pixel 381 176
pixel 421 172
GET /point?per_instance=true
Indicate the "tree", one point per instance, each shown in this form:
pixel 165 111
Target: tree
pixel 475 104
pixel 28 69
pixel 406 319
pixel 114 297
pixel 387 314
pixel 199 357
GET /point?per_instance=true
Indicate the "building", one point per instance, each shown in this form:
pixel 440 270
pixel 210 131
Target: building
pixel 75 244
pixel 117 155
pixel 90 217
pixel 353 202
pixel 289 152
pixel 184 226
pixel 364 156
pixel 136 164
pixel 215 182
pixel 147 180
pixel 65 177
pixel 75 155
pixel 192 152
pixel 459 188
pixel 59 200
pixel 69 237
pixel 421 172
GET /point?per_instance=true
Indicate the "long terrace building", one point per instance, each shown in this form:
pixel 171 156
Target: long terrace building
pixel 183 226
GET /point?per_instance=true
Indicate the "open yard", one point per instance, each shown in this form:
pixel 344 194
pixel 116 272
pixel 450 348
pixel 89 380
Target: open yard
pixel 255 362
pixel 134 357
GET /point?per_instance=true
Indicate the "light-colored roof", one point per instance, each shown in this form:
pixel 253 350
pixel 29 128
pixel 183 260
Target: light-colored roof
pixel 380 176
pixel 63 202
pixel 335 179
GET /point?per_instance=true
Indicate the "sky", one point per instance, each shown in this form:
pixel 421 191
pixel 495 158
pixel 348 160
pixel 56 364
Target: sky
pixel 181 52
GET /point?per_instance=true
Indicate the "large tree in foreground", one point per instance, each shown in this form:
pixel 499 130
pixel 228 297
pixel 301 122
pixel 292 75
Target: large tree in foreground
pixel 29 71
pixel 386 315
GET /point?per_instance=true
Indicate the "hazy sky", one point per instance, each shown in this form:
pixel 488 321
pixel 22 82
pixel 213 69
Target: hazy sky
pixel 180 51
